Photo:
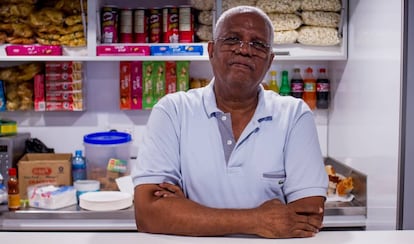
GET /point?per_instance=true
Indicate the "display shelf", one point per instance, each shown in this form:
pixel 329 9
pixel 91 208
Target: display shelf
pixel 89 53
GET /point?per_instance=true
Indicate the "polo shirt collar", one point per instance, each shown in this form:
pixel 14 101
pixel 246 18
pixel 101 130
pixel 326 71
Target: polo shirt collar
pixel 263 111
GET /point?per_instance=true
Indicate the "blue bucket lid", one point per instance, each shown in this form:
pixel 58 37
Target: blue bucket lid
pixel 107 138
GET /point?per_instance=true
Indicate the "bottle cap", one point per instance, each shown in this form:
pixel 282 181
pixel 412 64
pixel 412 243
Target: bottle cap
pixel 12 171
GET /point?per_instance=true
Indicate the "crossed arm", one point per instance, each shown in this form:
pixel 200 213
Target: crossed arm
pixel 163 208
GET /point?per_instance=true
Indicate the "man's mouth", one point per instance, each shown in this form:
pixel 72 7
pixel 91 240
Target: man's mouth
pixel 244 65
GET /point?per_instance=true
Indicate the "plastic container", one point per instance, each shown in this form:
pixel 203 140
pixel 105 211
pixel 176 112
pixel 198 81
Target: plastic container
pixel 83 186
pixel 100 148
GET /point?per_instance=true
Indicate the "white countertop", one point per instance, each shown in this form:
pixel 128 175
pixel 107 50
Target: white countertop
pixel 328 237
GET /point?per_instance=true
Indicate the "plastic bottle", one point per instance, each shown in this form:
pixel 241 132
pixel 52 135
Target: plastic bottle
pixel 296 84
pixel 273 82
pixel 13 190
pixel 78 166
pixel 285 87
pixel 322 90
pixel 309 88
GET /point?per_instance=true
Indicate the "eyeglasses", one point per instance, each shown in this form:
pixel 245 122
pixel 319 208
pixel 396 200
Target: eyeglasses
pixel 231 43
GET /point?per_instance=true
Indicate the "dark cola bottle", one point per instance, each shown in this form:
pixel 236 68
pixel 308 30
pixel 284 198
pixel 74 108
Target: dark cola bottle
pixel 322 90
pixel 296 84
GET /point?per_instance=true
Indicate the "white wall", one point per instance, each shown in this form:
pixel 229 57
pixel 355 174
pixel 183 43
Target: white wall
pixel 364 119
pixel 363 126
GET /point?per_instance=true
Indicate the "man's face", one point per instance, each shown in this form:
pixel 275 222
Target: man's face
pixel 241 66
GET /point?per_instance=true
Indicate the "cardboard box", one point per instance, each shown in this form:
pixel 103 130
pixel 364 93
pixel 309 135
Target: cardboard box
pixel 170 77
pixel 136 87
pixel 125 85
pixel 34 168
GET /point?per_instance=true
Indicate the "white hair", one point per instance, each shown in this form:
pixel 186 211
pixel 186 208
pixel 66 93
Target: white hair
pixel 243 9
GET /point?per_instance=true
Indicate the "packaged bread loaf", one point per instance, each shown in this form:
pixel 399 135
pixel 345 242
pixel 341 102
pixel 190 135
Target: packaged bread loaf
pixel 205 18
pixel 321 18
pixel 279 6
pixel 227 4
pixel 321 5
pixel 285 37
pixel 283 22
pixel 205 32
pixel 202 4
pixel 318 36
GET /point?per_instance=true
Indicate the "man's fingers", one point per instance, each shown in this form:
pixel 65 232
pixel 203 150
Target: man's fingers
pixel 171 189
pixel 308 209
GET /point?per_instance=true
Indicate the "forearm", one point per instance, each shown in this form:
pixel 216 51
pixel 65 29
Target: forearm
pixel 184 217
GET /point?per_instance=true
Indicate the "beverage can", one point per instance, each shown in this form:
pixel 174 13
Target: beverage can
pixel 154 25
pixel 109 24
pixel 170 24
pixel 140 26
pixel 186 24
pixel 125 28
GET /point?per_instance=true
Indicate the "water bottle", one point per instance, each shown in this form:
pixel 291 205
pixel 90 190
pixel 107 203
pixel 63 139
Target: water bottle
pixel 78 166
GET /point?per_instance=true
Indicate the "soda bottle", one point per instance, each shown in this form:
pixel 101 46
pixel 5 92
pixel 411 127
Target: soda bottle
pixel 13 190
pixel 273 82
pixel 284 87
pixel 309 88
pixel 78 166
pixel 322 90
pixel 296 84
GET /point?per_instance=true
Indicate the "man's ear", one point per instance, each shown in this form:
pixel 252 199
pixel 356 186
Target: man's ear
pixel 210 48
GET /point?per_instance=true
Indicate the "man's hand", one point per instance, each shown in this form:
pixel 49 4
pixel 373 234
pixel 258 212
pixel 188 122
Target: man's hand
pixel 272 219
pixel 169 190
pixel 303 218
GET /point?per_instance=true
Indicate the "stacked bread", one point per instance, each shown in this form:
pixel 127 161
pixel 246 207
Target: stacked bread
pixel 309 22
pixel 54 22
pixel 18 80
pixel 204 19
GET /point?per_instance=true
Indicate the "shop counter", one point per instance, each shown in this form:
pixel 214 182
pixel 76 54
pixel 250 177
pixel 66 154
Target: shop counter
pixel 324 237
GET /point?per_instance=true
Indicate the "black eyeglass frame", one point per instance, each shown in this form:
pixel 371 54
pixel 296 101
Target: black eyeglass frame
pixel 231 42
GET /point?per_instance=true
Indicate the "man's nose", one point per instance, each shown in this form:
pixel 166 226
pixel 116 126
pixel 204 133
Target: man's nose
pixel 245 47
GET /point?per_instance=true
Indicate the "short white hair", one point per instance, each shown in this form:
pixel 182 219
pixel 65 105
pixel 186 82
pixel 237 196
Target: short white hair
pixel 243 9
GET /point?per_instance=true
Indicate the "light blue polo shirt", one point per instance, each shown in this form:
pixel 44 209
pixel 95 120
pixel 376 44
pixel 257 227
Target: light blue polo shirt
pixel 277 155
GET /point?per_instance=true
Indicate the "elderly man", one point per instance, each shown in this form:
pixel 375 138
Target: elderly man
pixel 232 158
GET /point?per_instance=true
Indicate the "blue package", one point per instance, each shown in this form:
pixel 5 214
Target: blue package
pixel 177 50
pixel 2 97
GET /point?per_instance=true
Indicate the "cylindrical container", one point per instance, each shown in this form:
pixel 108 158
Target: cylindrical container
pixel 296 84
pixel 140 26
pixel 101 148
pixel 155 25
pixel 309 88
pixel 322 90
pixel 109 25
pixel 13 190
pixel 83 186
pixel 78 166
pixel 186 24
pixel 125 27
pixel 170 24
